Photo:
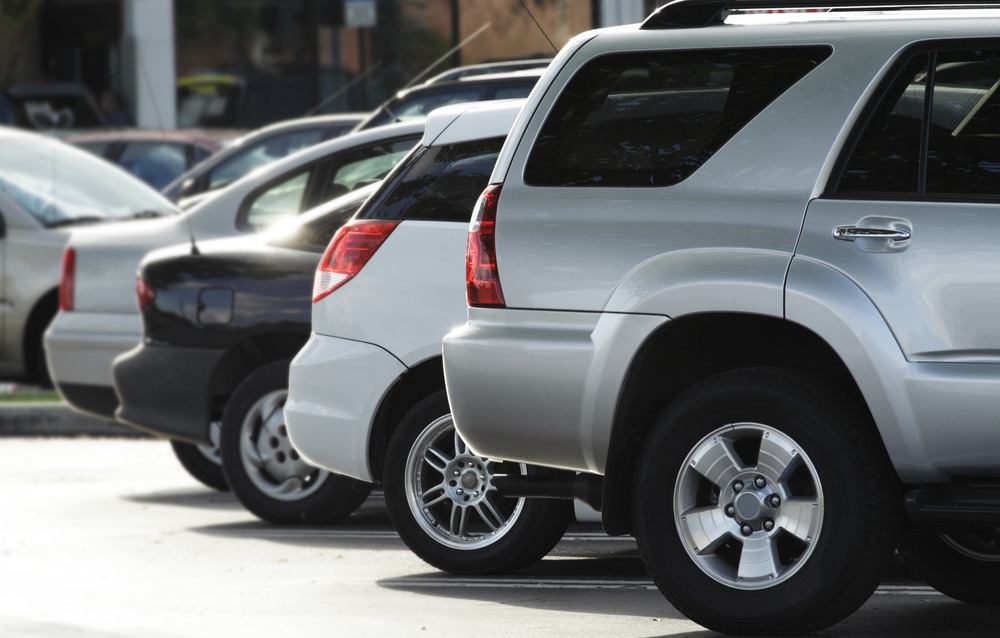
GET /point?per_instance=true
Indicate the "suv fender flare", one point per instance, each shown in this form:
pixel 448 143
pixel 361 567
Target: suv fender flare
pixel 832 306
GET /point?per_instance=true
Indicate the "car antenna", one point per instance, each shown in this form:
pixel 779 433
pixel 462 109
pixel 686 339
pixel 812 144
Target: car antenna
pixel 163 134
pixel 447 55
pixel 539 26
pixel 342 89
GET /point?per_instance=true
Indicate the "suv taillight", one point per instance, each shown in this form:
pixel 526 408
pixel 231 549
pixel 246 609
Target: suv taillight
pixel 482 279
pixel 348 252
pixel 144 291
pixel 67 280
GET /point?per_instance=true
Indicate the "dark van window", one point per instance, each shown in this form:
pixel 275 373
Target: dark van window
pixel 951 153
pixel 653 118
pixel 441 183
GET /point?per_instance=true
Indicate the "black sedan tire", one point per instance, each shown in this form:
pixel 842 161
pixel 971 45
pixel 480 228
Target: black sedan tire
pixel 265 472
pixel 964 566
pixel 444 507
pixel 764 503
pixel 200 466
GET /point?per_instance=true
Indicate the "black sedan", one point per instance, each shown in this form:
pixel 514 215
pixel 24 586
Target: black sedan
pixel 221 322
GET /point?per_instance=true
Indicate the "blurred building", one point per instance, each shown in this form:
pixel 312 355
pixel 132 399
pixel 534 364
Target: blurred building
pixel 247 63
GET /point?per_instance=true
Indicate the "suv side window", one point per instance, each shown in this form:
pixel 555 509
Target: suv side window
pixel 280 200
pixel 653 118
pixel 440 183
pixel 365 166
pixel 934 132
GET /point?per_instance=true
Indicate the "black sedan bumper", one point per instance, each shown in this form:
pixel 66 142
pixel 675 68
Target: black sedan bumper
pixel 166 390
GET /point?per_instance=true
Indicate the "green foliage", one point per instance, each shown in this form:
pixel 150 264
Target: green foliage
pixel 15 8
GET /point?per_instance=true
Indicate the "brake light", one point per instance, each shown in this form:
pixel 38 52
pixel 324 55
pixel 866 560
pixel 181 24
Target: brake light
pixel 482 278
pixel 348 252
pixel 144 291
pixel 67 280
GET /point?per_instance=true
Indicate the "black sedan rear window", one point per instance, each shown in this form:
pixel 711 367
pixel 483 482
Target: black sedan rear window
pixel 440 183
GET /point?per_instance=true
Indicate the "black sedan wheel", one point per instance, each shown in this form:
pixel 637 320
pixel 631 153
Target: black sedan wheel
pixel 203 461
pixel 265 472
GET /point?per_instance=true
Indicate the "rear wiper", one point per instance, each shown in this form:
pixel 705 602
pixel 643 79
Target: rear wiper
pixel 72 221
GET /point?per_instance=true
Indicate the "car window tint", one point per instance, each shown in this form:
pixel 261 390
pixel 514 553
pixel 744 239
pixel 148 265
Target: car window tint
pixel 442 183
pixel 512 92
pixel 97 148
pixel 418 106
pixel 963 156
pixel 280 200
pixel 887 156
pixel 653 118
pixel 365 166
pixel 155 163
pixel 261 153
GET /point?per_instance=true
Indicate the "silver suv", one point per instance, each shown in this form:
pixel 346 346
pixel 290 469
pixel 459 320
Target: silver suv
pixel 740 269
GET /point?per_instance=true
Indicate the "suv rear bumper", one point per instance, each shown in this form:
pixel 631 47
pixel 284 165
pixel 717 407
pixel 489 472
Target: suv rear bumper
pixel 335 387
pixel 167 390
pixel 80 348
pixel 539 386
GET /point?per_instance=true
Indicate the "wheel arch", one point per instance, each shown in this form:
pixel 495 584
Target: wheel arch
pixel 244 357
pixel 707 343
pixel 408 390
pixel 41 315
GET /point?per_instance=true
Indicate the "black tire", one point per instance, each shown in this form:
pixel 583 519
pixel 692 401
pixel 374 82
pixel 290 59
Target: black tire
pixel 527 538
pixel 200 466
pixel 965 567
pixel 324 497
pixel 858 492
pixel 41 371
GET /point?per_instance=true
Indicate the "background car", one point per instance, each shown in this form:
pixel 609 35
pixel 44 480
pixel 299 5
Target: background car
pixel 48 106
pixel 157 157
pixel 100 319
pixel 489 68
pixel 219 324
pixel 366 394
pixel 421 100
pixel 46 188
pixel 255 150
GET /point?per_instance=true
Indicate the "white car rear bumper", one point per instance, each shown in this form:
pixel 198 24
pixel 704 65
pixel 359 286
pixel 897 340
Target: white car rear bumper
pixel 335 387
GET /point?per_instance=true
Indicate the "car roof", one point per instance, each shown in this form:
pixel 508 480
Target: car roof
pixel 471 121
pixel 208 136
pixel 479 80
pixel 488 68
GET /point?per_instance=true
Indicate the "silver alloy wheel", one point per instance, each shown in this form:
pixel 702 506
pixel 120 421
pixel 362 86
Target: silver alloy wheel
pixel 450 492
pixel 982 547
pixel 748 505
pixel 272 464
pixel 211 452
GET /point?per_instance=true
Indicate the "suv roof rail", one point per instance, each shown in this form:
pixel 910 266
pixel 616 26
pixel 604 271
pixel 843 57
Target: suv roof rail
pixel 687 14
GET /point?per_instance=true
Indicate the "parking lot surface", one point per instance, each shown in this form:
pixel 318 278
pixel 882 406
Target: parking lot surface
pixel 110 537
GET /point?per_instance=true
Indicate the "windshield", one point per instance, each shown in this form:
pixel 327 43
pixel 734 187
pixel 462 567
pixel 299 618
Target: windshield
pixel 59 184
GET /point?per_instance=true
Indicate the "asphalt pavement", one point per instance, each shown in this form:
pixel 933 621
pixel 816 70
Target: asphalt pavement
pixel 110 537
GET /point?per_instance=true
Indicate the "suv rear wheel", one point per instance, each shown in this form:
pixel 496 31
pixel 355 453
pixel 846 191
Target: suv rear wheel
pixel 965 567
pixel 764 504
pixel 440 497
pixel 264 471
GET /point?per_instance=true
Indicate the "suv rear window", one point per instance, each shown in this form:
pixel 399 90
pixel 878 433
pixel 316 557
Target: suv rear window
pixel 653 118
pixel 440 183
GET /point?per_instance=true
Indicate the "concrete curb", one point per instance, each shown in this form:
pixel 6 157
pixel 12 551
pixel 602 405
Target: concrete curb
pixel 57 419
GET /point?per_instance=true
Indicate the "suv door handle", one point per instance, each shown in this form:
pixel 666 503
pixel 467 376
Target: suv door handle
pixel 851 233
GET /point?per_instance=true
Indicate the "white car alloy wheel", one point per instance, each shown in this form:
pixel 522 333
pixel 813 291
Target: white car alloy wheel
pixel 450 493
pixel 272 464
pixel 750 521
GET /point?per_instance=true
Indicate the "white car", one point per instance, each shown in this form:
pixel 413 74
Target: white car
pixel 46 189
pixel 366 394
pixel 99 319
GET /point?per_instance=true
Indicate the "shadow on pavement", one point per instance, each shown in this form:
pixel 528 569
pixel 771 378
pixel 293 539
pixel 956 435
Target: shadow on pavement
pixel 193 497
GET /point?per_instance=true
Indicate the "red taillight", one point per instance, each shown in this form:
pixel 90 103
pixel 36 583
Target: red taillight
pixel 482 279
pixel 347 254
pixel 144 291
pixel 67 280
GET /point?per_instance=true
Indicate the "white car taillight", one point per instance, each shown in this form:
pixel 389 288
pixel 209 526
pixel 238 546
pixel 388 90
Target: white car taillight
pixel 482 278
pixel 348 252
pixel 67 280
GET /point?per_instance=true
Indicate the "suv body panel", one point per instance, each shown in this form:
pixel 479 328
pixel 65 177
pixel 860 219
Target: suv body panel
pixel 559 249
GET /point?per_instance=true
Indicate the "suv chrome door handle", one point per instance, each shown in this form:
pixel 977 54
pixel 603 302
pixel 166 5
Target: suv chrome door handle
pixel 850 233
